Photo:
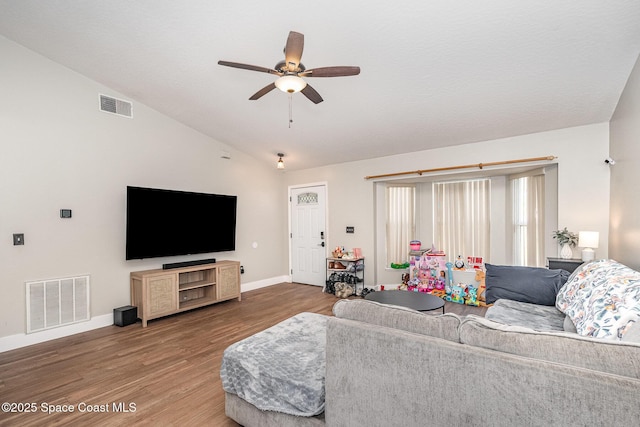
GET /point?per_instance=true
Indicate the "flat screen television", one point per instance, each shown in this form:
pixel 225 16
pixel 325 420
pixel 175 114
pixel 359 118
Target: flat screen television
pixel 167 223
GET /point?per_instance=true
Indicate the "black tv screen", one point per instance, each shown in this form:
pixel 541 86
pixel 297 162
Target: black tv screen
pixel 167 223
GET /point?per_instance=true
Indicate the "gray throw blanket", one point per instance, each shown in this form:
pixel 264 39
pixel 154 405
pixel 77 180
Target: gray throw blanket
pixel 281 368
pixel 537 317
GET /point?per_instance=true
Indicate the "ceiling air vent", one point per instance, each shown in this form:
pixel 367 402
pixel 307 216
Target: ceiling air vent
pixel 116 106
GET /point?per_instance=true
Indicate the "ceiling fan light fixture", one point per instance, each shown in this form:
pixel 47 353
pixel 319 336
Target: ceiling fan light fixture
pixel 280 164
pixel 290 83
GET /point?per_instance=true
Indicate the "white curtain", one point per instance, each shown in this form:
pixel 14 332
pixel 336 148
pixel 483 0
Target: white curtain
pixel 527 194
pixel 400 201
pixel 462 218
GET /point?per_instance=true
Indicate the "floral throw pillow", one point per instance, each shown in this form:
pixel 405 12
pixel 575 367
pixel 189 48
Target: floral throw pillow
pixel 602 299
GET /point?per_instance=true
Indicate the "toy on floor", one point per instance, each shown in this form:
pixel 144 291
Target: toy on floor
pixel 482 287
pixel 439 293
pixel 449 278
pixel 457 294
pixel 343 290
pixel 414 282
pixel 471 297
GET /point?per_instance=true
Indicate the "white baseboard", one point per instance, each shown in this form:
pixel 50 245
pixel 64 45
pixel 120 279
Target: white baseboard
pixel 12 342
pixel 264 283
pixel 22 340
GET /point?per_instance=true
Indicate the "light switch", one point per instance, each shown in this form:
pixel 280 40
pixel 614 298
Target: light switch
pixel 18 239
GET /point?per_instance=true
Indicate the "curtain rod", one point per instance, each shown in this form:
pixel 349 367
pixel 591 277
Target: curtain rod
pixel 475 165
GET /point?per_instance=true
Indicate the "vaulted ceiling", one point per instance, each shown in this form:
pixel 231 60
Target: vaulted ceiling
pixel 433 73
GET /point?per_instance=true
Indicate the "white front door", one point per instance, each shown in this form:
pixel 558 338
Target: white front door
pixel 308 234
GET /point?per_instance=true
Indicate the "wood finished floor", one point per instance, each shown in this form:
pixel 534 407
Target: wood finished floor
pixel 169 370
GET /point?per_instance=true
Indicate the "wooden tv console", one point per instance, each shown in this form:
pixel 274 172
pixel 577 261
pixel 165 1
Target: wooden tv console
pixel 159 293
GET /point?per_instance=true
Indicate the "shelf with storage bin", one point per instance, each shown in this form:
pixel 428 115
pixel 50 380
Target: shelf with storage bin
pixel 352 273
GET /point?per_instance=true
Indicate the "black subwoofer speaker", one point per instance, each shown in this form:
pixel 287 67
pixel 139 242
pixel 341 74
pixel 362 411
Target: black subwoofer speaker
pixel 123 316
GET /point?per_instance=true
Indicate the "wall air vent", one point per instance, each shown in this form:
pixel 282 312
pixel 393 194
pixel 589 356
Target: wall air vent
pixel 57 302
pixel 116 106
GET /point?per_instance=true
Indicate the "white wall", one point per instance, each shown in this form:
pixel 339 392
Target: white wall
pixel 625 174
pixel 583 184
pixel 60 151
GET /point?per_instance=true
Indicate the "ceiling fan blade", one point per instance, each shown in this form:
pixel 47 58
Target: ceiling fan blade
pixel 339 71
pixel 312 94
pixel 265 90
pixel 293 50
pixel 249 67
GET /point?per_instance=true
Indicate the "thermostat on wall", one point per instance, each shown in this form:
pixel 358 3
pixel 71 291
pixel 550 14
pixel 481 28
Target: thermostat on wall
pixel 65 213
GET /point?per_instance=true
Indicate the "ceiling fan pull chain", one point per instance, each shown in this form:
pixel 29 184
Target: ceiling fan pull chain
pixel 290 110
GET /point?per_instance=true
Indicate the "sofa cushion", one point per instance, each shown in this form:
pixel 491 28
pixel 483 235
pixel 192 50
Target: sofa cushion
pixel 568 325
pixel 602 298
pixel 533 316
pixel 527 284
pixel 633 334
pixel 618 358
pixel 441 326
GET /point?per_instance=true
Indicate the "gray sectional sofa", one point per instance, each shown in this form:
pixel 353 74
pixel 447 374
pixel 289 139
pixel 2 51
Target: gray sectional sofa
pixel 390 366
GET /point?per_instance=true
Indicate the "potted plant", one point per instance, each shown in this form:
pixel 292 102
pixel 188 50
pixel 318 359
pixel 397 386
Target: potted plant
pixel 567 240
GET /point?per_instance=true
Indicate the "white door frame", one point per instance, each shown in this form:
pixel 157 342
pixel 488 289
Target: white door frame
pixel 326 219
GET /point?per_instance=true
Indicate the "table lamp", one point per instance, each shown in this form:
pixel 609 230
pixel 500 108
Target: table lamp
pixel 589 241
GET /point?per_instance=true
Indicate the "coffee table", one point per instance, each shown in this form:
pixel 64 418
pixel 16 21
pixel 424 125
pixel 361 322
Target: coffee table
pixel 416 300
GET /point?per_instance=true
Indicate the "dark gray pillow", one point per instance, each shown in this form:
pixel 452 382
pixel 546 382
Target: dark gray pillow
pixel 534 285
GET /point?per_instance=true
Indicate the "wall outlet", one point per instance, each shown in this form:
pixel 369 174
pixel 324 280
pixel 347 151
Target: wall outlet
pixel 18 239
pixel 242 269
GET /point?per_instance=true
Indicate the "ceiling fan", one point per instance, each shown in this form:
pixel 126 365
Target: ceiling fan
pixel 291 71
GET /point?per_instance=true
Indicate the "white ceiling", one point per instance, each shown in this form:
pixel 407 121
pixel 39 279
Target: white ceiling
pixel 434 73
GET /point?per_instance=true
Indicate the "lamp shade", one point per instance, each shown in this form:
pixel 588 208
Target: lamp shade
pixel 290 84
pixel 588 239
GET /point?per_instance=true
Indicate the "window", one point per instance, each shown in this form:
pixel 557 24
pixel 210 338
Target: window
pixel 527 195
pixel 401 222
pixel 461 212
pixel 497 213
